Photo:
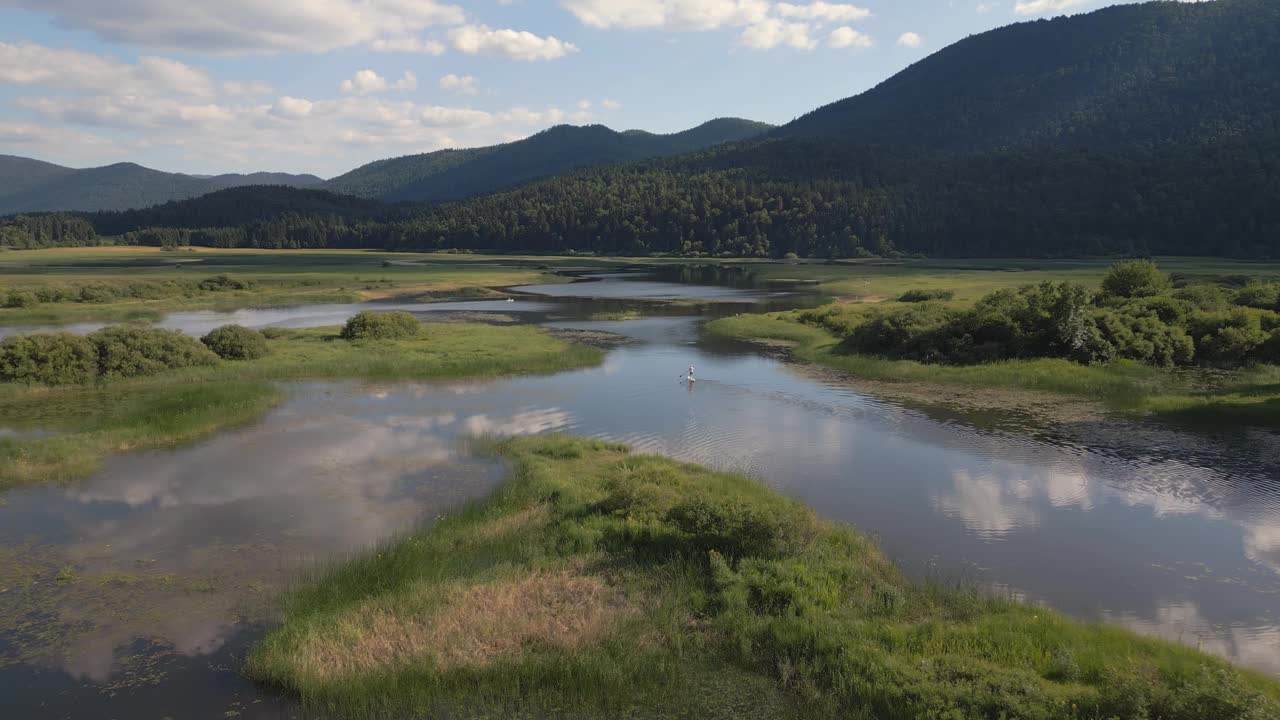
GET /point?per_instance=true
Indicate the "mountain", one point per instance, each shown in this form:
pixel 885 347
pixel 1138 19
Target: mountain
pixel 455 174
pixel 31 185
pixel 1139 129
pixel 1164 72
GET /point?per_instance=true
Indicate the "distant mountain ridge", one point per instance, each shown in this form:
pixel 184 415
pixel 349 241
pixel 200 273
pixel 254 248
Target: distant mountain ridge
pixel 457 174
pixel 28 185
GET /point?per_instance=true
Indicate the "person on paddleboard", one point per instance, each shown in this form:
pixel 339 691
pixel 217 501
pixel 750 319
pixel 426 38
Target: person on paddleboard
pixel 690 378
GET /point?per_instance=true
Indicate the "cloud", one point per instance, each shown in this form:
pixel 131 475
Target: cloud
pixel 846 37
pixel 367 82
pixel 291 107
pixel 773 32
pixel 909 39
pixel 514 44
pixel 460 84
pixel 611 104
pixel 59 144
pixel 823 12
pixel 30 64
pixel 1043 7
pixel 247 26
pixel 678 15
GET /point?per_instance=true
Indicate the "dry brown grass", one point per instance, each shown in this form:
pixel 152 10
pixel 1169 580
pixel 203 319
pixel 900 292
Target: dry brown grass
pixel 475 625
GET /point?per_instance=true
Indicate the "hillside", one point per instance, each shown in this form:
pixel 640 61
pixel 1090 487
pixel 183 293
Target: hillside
pixel 455 174
pixel 31 185
pixel 1150 73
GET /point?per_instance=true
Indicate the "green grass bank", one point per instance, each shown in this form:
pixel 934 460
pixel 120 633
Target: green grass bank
pixel 596 583
pixel 1244 397
pixel 85 423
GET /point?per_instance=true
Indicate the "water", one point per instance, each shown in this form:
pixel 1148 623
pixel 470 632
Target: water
pixel 176 555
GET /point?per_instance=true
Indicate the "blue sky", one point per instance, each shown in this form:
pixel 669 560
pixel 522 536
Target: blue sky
pixel 321 86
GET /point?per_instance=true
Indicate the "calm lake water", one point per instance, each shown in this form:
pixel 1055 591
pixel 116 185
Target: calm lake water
pixel 136 592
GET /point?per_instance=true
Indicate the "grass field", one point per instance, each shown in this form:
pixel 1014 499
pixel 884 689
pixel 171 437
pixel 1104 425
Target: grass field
pixel 600 584
pixel 278 277
pixel 89 423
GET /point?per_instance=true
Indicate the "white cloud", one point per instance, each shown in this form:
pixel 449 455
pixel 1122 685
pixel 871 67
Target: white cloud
pixel 364 82
pixel 823 12
pixel 367 82
pixel 909 39
pixel 846 37
pixel 292 107
pixel 254 88
pixel 984 8
pixel 410 45
pixel 460 84
pixel 611 104
pixel 514 44
pixel 29 64
pixel 584 104
pixel 1043 7
pixel 679 15
pixel 246 26
pixel 773 32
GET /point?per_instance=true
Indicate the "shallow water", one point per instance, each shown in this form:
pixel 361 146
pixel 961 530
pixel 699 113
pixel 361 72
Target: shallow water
pixel 175 556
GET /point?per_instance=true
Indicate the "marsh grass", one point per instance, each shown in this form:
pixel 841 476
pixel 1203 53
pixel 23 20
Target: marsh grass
pixel 89 423
pixel 597 584
pixel 1248 397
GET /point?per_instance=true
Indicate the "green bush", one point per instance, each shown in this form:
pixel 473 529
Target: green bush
pixel 48 359
pixel 381 326
pixel 275 333
pixel 916 296
pixel 1209 298
pixel 18 299
pixel 900 332
pixel 133 351
pixel 97 294
pixel 1135 279
pixel 236 342
pixel 1265 296
pixel 733 528
pixel 1227 339
pixel 223 282
pixel 1146 338
pixel 53 294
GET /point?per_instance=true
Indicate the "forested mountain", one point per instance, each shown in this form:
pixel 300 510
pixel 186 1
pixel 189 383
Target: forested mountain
pixel 31 185
pixel 1151 73
pixel 456 174
pixel 1148 128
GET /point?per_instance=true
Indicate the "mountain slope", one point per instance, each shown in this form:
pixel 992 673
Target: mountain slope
pixel 455 174
pixel 31 185
pixel 1156 72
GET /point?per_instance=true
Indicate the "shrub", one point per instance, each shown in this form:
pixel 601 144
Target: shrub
pixel 1227 339
pixel 1209 298
pixel 134 351
pixel 381 326
pixel 1260 295
pixel 53 294
pixel 734 528
pixel 48 359
pixel 236 342
pixel 1135 279
pixel 97 294
pixel 900 332
pixel 275 333
pixel 219 283
pixel 915 296
pixel 17 299
pixel 1146 338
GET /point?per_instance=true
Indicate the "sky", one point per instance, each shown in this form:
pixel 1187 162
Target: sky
pixel 323 86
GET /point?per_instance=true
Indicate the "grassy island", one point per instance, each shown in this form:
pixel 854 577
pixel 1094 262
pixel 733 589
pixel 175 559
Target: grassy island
pixel 597 583
pixel 63 432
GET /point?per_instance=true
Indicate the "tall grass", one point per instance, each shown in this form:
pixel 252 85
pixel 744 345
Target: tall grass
pixel 600 584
